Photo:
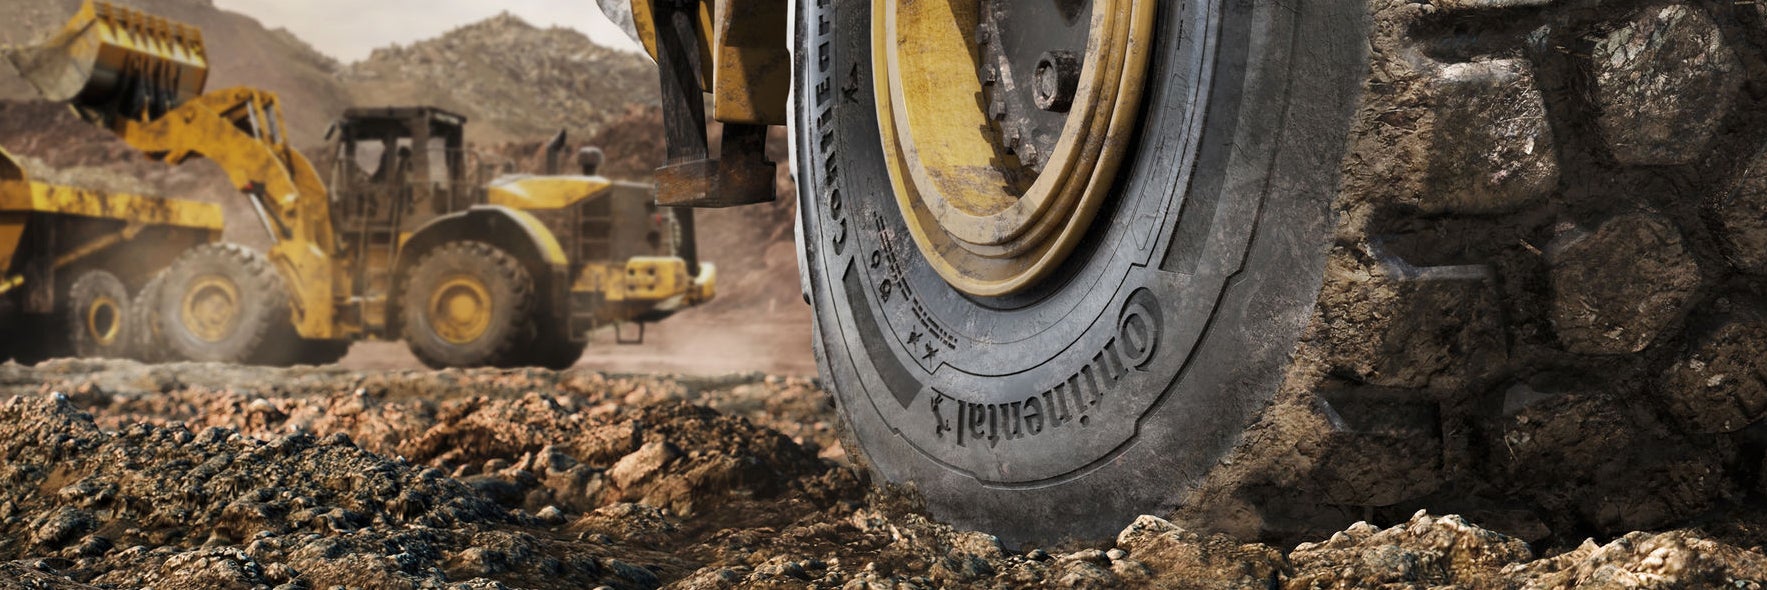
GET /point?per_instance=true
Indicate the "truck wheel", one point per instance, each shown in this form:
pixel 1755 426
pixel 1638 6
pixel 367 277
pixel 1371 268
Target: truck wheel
pixel 1220 261
pixel 149 345
pixel 468 304
pixel 223 303
pixel 99 324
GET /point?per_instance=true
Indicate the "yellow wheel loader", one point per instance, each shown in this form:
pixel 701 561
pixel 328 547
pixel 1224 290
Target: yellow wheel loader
pixel 71 260
pixel 514 273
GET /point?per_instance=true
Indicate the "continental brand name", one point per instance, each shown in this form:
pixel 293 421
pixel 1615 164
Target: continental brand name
pixel 1067 404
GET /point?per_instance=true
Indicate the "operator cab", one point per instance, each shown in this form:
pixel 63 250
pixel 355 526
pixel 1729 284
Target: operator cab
pixel 396 168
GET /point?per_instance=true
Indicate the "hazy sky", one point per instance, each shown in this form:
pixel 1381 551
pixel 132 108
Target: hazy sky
pixel 350 29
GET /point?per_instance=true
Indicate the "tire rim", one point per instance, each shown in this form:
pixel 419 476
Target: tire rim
pixel 460 310
pixel 211 308
pixel 991 211
pixel 103 320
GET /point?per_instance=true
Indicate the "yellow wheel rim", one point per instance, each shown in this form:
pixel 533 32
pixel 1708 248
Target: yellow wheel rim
pixel 104 320
pixel 983 224
pixel 460 310
pixel 210 309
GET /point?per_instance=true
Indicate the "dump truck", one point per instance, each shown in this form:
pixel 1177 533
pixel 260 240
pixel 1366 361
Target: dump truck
pixel 71 258
pixel 1264 267
pixel 516 272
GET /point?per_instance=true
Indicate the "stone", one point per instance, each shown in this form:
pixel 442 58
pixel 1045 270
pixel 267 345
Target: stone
pixel 639 466
pixel 1664 81
pixel 1180 558
pixel 1741 218
pixel 1616 289
pixel 1721 384
pixel 1493 149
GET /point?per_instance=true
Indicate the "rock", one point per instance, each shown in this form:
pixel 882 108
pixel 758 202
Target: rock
pixel 1721 384
pixel 1664 81
pixel 1614 290
pixel 639 466
pixel 1492 148
pixel 1424 552
pixel 1179 557
pixel 1741 218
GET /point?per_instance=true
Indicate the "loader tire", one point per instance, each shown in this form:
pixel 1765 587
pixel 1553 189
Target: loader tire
pixel 469 304
pixel 99 320
pixel 224 303
pixel 553 351
pixel 1360 259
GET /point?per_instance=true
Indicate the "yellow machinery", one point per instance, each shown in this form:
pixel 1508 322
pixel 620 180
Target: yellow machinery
pixel 401 246
pixel 68 255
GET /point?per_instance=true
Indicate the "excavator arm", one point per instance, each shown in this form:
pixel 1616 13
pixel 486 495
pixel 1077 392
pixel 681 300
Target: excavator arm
pixel 142 77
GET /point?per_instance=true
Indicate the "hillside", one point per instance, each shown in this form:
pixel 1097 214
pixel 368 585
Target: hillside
pixel 514 81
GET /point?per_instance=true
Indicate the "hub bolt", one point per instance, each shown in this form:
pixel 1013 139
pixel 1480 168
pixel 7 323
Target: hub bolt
pixel 1058 78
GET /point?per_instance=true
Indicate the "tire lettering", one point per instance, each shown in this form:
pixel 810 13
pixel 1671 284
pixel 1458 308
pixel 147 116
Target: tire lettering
pixel 1070 400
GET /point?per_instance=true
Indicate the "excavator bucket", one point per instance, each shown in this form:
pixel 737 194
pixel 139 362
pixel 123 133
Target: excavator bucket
pixel 116 60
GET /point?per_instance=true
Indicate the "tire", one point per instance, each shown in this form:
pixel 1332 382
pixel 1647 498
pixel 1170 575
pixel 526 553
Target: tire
pixel 319 353
pixel 555 353
pixel 507 325
pixel 251 321
pixel 149 345
pixel 99 321
pixel 1309 303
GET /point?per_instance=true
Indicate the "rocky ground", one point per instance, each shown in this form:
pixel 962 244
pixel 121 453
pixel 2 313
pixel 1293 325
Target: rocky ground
pixel 118 475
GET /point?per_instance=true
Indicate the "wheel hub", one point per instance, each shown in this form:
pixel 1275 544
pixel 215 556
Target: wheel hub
pixel 460 310
pixel 104 321
pixel 211 308
pixel 997 192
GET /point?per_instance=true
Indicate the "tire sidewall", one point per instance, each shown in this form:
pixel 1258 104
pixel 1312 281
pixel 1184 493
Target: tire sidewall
pixel 85 292
pixel 1169 252
pixel 497 273
pixel 262 306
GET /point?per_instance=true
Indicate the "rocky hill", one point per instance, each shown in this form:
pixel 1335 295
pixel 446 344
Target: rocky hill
pixel 515 81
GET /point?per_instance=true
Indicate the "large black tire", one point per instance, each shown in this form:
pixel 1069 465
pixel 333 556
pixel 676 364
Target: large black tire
pixel 252 323
pixel 148 344
pixel 513 306
pixel 1473 319
pixel 552 351
pixel 98 312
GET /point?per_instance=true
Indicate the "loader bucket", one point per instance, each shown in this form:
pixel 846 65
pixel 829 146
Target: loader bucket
pixel 116 60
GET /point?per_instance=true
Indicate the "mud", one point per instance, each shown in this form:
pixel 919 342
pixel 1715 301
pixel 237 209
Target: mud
pixel 119 475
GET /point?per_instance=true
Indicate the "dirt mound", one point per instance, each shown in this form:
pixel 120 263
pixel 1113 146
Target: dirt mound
pixel 513 80
pixel 56 146
pixel 201 476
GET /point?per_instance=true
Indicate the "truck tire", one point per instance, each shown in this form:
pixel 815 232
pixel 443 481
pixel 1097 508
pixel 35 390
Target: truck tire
pixel 223 303
pixel 98 312
pixel 1359 259
pixel 469 304
pixel 149 345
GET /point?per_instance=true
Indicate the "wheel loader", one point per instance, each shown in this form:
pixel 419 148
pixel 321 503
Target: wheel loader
pixel 403 244
pixel 69 257
pixel 1266 268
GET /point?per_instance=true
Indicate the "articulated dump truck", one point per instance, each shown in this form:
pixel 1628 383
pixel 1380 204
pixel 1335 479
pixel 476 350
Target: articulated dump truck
pixel 1267 267
pixel 403 243
pixel 69 256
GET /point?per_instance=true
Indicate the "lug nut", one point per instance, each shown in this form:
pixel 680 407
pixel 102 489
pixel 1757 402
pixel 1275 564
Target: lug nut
pixel 1058 78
